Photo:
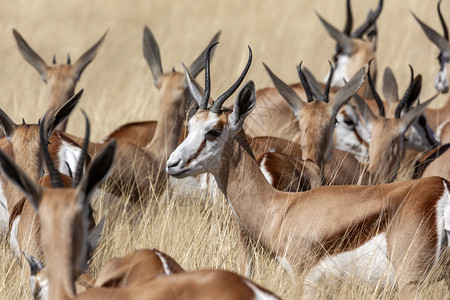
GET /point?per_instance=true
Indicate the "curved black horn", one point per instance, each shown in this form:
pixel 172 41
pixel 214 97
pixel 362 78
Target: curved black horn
pixel 349 23
pixel 371 19
pixel 375 94
pixel 55 177
pixel 444 26
pixel 405 97
pixel 328 86
pixel 305 83
pixel 79 171
pixel 54 59
pixel 204 102
pixel 68 59
pixel 222 98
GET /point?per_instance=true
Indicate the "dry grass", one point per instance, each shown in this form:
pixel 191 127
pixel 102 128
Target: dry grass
pixel 119 88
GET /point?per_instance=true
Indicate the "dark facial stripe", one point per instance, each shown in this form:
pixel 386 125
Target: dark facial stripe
pixel 200 149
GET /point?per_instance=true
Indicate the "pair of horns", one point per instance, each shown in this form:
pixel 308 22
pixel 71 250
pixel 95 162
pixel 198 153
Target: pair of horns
pixel 307 87
pixel 401 104
pixel 217 105
pixel 68 59
pixel 55 177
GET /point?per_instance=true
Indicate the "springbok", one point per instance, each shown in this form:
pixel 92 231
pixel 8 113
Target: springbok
pixel 273 117
pixel 133 269
pixel 67 223
pixel 64 217
pixel 399 228
pixel 139 171
pixel 142 133
pixel 60 79
pixel 21 142
pixel 437 116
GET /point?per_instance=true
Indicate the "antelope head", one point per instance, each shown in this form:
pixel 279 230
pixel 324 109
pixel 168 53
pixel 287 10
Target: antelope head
pixel 442 42
pixel 61 79
pixel 421 137
pixel 63 212
pixel 353 49
pixel 172 85
pixel 388 139
pixel 211 128
pixel 25 145
pixel 317 117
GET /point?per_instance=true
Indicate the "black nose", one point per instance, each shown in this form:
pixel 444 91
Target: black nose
pixel 173 164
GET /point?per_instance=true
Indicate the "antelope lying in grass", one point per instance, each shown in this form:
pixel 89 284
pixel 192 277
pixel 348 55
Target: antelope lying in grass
pixel 133 269
pixel 67 223
pixel 60 79
pixel 139 171
pixel 64 217
pixel 21 142
pixel 437 116
pixel 402 224
pixel 273 117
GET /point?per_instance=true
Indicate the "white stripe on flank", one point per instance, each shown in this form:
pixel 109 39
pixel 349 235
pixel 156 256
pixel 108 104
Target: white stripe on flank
pixel 13 241
pixel 164 262
pixel 4 214
pixel 266 171
pixel 259 294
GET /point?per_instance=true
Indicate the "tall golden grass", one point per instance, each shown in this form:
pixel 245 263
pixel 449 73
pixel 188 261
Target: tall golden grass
pixel 119 88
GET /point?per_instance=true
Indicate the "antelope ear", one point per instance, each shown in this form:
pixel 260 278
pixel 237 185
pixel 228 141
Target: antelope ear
pixel 244 104
pixel 194 87
pixel 95 234
pixel 295 102
pixel 390 88
pixel 87 57
pixel 434 37
pixel 412 115
pixel 347 91
pixel 99 169
pixel 199 63
pixel 7 125
pixel 32 190
pixel 344 42
pixel 62 112
pixel 30 56
pixel 367 114
pixel 152 55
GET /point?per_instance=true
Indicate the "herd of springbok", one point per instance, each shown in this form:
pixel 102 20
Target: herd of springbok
pixel 312 175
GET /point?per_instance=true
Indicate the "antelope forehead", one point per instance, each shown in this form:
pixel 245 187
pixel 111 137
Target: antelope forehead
pixel 204 122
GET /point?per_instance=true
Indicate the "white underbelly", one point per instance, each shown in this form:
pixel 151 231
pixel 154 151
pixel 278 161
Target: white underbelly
pixel 4 214
pixel 369 263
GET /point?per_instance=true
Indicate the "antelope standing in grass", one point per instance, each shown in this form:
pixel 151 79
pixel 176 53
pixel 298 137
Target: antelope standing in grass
pixel 400 225
pixel 21 142
pixel 67 222
pixel 272 116
pixel 61 79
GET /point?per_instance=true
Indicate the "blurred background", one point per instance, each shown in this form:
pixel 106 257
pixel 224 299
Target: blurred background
pixel 118 83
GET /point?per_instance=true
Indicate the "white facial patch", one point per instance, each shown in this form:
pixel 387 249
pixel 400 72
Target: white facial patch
pixel 340 73
pixel 369 262
pixel 197 154
pixel 346 135
pixel 441 81
pixel 164 262
pixel 4 214
pixel 68 156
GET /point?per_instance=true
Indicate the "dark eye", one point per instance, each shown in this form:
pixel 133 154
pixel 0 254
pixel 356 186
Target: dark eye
pixel 213 133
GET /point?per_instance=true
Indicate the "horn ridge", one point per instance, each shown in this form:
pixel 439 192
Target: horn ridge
pixel 328 86
pixel 349 22
pixel 371 19
pixel 305 83
pixel 222 98
pixel 55 177
pixel 375 94
pixel 441 18
pixel 405 97
pixel 206 94
pixel 79 171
